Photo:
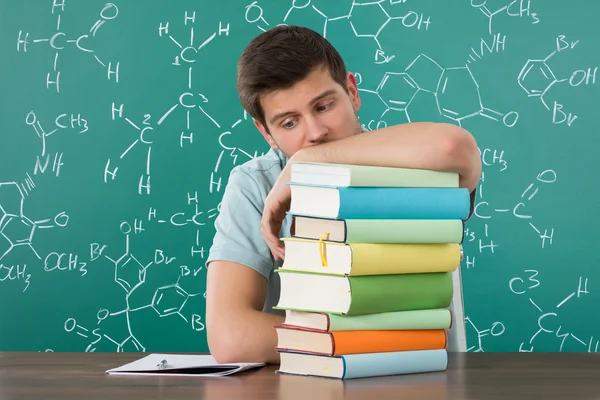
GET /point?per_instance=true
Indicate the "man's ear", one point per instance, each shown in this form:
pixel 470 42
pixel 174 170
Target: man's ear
pixel 265 134
pixel 353 90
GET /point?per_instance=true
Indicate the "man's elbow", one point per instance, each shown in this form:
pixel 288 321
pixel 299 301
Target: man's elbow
pixel 463 154
pixel 222 344
pixel 228 344
pixel 225 353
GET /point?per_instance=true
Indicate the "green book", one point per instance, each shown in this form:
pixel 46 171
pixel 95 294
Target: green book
pixel 345 175
pixel 396 320
pixel 368 294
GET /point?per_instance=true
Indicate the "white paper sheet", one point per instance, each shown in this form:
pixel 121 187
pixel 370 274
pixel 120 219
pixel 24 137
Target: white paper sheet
pixel 181 365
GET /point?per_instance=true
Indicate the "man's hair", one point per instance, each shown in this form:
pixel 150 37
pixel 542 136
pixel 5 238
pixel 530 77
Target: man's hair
pixel 279 58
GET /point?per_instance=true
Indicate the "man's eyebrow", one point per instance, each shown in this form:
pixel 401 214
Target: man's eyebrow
pixel 322 95
pixel 314 100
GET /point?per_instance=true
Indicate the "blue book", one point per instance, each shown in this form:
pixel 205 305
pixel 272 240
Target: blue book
pixel 363 365
pixel 379 202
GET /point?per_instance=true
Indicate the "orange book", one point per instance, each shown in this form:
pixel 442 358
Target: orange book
pixel 354 342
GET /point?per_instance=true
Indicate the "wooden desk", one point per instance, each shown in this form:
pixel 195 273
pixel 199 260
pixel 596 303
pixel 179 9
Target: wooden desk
pixel 489 376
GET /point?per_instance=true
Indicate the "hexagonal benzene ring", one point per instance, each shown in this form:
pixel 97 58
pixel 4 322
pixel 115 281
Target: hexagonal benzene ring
pixel 18 230
pixel 303 13
pixel 457 94
pixel 169 300
pixel 11 201
pixel 367 19
pixel 372 108
pixel 129 272
pixel 425 72
pixel 130 344
pixel 5 219
pixel 332 10
pixel 397 89
pixel 395 117
pixel 5 246
pixel 103 344
pixel 536 77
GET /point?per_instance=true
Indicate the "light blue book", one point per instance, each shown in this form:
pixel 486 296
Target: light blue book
pixel 363 365
pixel 379 202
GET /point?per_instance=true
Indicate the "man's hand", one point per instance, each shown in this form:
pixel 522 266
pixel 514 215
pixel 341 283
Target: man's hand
pixel 277 204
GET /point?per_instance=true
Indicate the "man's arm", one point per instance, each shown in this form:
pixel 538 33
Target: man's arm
pixel 237 328
pixel 424 145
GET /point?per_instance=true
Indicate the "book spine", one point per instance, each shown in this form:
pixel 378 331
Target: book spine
pixel 403 230
pixel 416 319
pixel 394 363
pixel 381 341
pixel 403 203
pixel 403 258
pixel 399 292
pixel 396 177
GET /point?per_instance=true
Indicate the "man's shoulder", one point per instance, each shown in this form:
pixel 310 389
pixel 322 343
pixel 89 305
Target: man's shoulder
pixel 263 170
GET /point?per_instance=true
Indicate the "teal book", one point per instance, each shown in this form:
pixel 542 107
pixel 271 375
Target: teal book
pixel 379 202
pixel 363 365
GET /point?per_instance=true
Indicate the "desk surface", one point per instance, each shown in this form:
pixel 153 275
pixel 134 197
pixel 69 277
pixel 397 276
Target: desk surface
pixel 487 376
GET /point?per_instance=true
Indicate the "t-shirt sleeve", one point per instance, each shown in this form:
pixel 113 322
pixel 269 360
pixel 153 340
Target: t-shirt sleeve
pixel 238 236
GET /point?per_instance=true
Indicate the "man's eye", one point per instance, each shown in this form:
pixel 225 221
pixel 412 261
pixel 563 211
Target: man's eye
pixel 324 107
pixel 289 124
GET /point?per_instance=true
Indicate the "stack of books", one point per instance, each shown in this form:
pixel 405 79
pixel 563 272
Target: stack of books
pixel 367 278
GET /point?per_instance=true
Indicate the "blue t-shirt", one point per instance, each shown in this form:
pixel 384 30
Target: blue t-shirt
pixel 238 236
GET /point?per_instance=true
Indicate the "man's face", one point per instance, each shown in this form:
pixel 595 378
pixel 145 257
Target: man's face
pixel 315 110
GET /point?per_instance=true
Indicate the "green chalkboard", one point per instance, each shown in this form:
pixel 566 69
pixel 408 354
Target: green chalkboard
pixel 120 125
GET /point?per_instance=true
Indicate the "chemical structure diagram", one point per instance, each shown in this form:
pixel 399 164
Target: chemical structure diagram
pixel 16 228
pixel 536 78
pixel 233 152
pixel 496 329
pixel 62 122
pixel 423 76
pixel 514 8
pixel 455 89
pixel 58 42
pixel 484 210
pixel 523 285
pixel 187 55
pixel 16 272
pixel 359 16
pixel 130 274
pixel 145 128
pixel 197 219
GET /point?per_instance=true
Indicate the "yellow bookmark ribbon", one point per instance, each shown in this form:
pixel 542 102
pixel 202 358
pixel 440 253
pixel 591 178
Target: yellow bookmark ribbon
pixel 322 249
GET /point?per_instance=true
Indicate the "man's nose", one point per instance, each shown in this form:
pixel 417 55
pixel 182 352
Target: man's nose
pixel 317 131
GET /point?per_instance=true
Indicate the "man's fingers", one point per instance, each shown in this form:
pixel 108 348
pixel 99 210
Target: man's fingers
pixel 277 253
pixel 277 248
pixel 270 227
pixel 270 239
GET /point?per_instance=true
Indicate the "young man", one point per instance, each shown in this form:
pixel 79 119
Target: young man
pixel 304 103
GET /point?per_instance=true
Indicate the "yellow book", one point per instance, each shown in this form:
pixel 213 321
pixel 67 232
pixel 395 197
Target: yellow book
pixel 354 259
